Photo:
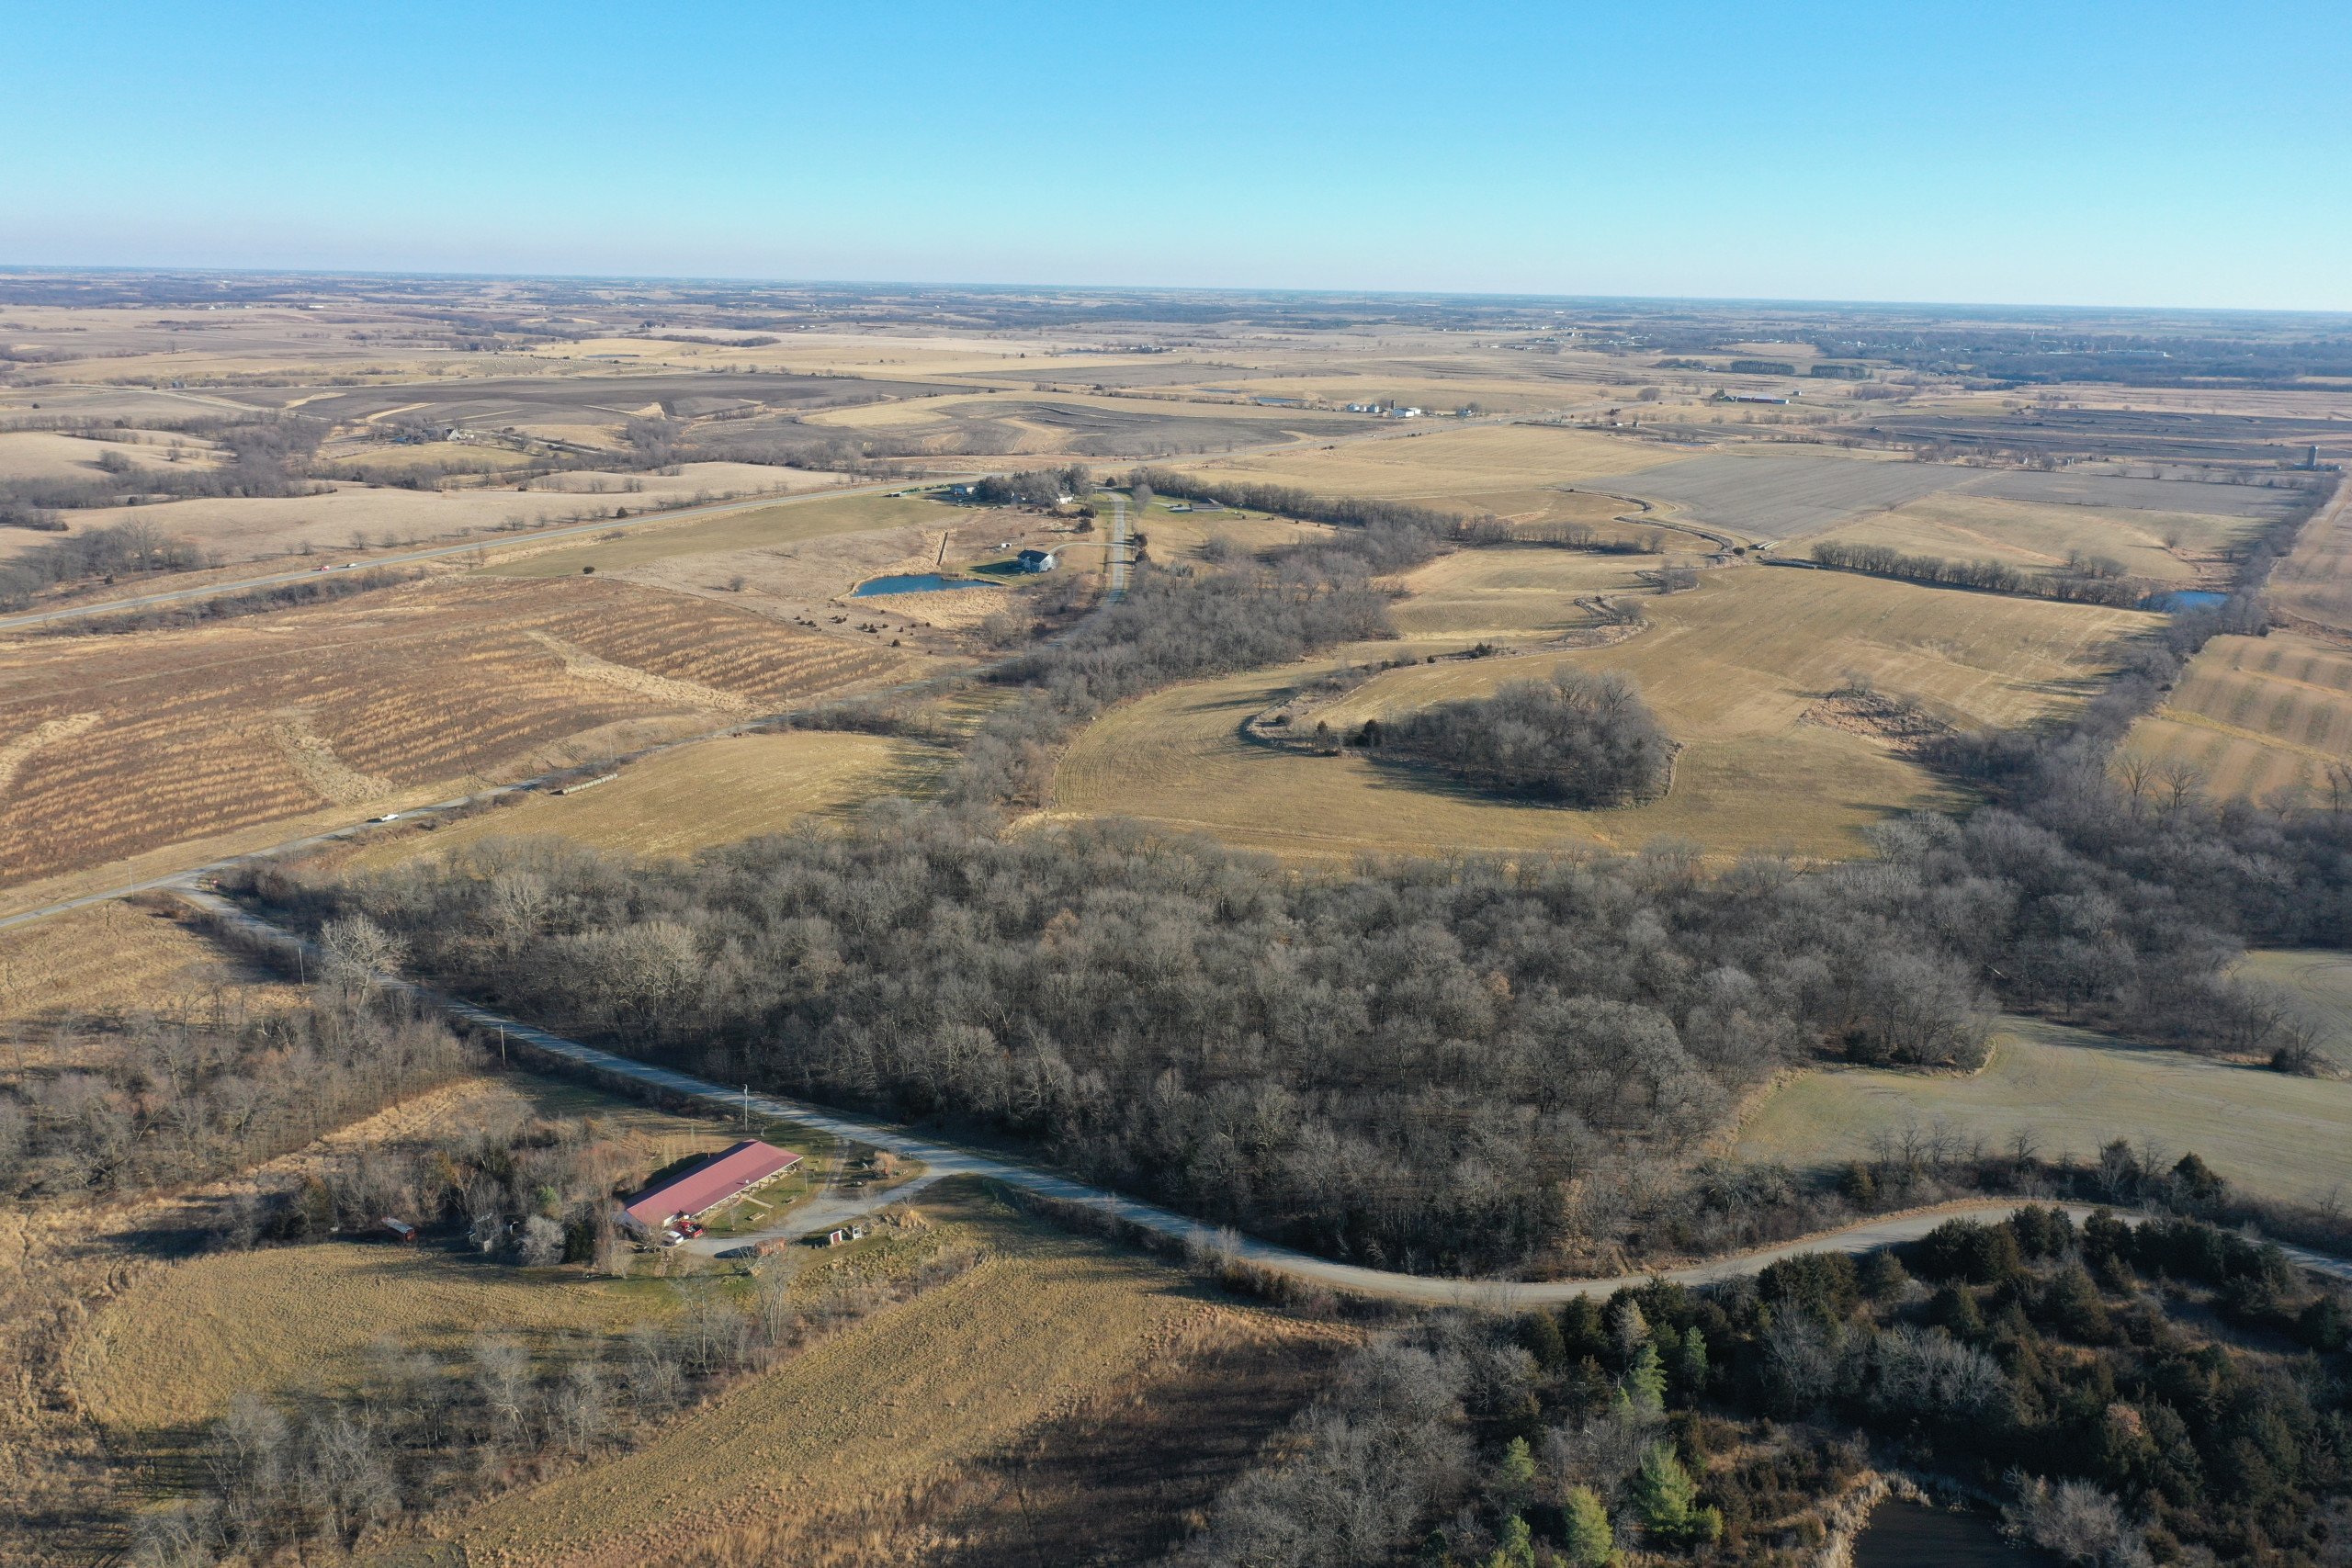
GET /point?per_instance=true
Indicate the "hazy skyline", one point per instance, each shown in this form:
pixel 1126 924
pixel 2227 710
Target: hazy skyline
pixel 2129 155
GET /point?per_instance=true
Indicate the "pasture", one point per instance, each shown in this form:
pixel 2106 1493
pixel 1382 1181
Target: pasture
pixel 1738 671
pixel 2314 582
pixel 2256 716
pixel 713 791
pixel 111 961
pixel 409 694
pixel 1512 470
pixel 347 518
pixel 1778 494
pixel 1063 1399
pixel 2038 536
pixel 2321 983
pixel 2071 1091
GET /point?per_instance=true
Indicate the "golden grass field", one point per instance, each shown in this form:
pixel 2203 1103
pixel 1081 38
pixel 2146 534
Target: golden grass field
pixel 753 528
pixel 713 791
pixel 892 1442
pixel 2280 1137
pixel 1731 668
pixel 2037 536
pixel 2256 715
pixel 1508 470
pixel 108 959
pixel 130 743
pixel 351 517
pixel 2314 582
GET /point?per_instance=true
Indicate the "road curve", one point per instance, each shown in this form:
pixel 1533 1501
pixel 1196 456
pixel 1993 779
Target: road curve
pixel 942 1159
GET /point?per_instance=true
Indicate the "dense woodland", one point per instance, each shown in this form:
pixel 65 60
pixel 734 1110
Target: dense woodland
pixel 1579 739
pixel 2076 1374
pixel 1436 1065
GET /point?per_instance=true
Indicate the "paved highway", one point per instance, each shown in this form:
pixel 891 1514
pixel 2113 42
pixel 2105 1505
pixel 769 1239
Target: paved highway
pixel 943 1159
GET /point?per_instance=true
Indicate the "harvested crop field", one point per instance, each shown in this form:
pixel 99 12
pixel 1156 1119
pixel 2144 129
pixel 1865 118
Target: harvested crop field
pixel 1957 525
pixel 2277 1136
pixel 1765 495
pixel 347 517
pixel 2314 582
pixel 1062 1400
pixel 1508 593
pixel 1738 670
pixel 750 529
pixel 1513 471
pixel 128 743
pixel 715 792
pixel 2256 715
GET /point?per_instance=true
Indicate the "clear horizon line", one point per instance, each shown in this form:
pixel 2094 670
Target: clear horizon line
pixel 1245 290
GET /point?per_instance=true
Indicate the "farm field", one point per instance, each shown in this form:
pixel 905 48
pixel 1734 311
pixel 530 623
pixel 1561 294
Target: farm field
pixel 1514 470
pixel 1076 425
pixel 2037 536
pixel 121 745
pixel 2256 715
pixel 1515 593
pixel 1062 1398
pixel 2314 582
pixel 750 529
pixel 2280 1137
pixel 1778 494
pixel 258 528
pixel 715 792
pixel 1733 669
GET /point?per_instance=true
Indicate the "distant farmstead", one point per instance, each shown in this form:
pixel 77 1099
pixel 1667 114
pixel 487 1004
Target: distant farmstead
pixel 721 1178
pixel 1036 560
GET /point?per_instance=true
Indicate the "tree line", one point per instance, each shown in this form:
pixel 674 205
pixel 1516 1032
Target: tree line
pixel 2072 587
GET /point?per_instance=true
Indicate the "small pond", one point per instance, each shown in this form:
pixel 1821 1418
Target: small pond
pixel 1905 1535
pixel 913 582
pixel 2185 599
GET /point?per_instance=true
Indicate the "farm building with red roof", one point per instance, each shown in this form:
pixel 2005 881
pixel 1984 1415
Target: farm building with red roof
pixel 723 1177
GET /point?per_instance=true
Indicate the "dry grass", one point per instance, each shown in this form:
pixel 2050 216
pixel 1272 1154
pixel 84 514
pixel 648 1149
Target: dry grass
pixel 1507 469
pixel 429 687
pixel 109 960
pixel 251 528
pixel 904 1439
pixel 2038 537
pixel 1731 668
pixel 169 1353
pixel 753 528
pixel 2314 582
pixel 2256 716
pixel 2322 981
pixel 2280 1137
pixel 713 793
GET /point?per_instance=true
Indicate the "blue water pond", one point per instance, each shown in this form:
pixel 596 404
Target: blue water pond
pixel 913 582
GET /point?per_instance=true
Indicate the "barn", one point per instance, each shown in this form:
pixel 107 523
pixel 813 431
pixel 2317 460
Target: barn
pixel 721 1178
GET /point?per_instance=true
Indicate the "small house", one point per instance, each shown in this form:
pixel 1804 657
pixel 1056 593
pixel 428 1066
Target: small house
pixel 1036 560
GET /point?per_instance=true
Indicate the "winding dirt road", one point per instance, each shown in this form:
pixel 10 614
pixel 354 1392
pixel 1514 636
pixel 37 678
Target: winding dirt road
pixel 943 1160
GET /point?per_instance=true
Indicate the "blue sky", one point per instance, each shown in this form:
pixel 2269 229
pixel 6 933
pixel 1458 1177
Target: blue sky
pixel 2069 153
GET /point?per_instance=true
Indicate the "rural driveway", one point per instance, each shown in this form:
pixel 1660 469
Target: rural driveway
pixel 948 1159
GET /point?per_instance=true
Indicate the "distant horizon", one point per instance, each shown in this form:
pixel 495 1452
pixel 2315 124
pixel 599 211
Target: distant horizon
pixel 1235 289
